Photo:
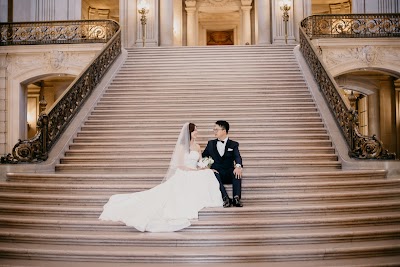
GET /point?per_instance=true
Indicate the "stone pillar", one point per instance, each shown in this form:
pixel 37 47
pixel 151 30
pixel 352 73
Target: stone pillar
pixel 48 10
pixel 246 22
pixel 166 22
pixel 375 6
pixel 178 23
pixel 3 11
pixel 387 113
pixel 128 17
pixel 301 10
pixel 374 115
pixel 191 23
pixel 263 13
pixel 397 101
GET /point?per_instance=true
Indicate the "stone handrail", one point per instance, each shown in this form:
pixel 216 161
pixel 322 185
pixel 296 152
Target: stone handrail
pixel 361 147
pixel 52 125
pixel 352 26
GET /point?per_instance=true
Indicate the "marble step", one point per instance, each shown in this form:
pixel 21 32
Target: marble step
pixel 250 187
pixel 205 226
pixel 289 166
pixel 233 88
pixel 250 198
pixel 295 212
pixel 343 175
pixel 241 124
pixel 195 239
pixel 240 253
pixel 166 152
pixel 261 139
pixel 138 159
pixel 249 144
pixel 190 93
pixel 366 261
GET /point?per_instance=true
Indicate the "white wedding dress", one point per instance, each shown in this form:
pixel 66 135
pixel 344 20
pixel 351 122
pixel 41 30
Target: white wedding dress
pixel 170 205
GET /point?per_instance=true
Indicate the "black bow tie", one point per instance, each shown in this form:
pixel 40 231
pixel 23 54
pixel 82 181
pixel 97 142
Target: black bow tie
pixel 222 141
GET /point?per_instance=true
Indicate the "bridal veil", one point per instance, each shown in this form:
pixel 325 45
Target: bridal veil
pixel 182 147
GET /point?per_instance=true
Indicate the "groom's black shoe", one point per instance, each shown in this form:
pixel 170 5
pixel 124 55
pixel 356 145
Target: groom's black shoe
pixel 236 202
pixel 227 201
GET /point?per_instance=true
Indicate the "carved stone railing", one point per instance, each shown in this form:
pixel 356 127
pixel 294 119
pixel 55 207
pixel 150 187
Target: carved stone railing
pixel 352 26
pixel 52 125
pixel 361 147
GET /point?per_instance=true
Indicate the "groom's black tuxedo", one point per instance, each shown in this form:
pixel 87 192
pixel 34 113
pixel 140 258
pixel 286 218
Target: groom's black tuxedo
pixel 225 164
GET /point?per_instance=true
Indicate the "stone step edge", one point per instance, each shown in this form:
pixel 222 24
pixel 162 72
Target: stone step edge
pixel 200 240
pixel 269 174
pixel 206 255
pixel 374 194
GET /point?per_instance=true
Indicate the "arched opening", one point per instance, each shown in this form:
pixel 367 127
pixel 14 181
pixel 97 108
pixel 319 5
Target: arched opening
pixel 41 92
pixel 375 94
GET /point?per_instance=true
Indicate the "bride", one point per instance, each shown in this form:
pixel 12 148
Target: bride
pixel 169 206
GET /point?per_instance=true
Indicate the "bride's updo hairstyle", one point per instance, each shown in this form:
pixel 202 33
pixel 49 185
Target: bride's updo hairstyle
pixel 192 127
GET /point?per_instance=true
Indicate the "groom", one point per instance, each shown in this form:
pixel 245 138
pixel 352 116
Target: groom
pixel 227 163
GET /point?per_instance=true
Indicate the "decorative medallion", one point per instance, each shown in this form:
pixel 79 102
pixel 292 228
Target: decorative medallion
pixel 218 2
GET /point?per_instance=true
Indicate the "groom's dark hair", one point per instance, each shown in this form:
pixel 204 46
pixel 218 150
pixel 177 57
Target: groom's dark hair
pixel 223 125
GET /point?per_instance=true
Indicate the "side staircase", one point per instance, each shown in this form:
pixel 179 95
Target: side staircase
pixel 300 207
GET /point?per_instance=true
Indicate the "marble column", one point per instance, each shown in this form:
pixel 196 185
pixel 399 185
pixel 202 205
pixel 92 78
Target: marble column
pixel 246 27
pixel 387 113
pixel 191 23
pixel 397 101
pixel 263 13
pixel 127 20
pixel 375 6
pixel 167 22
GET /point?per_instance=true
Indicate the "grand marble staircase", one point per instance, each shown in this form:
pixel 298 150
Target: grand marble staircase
pixel 300 208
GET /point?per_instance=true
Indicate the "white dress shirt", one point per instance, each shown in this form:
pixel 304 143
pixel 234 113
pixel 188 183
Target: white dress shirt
pixel 221 146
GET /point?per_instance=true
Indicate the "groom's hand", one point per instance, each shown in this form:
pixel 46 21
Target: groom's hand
pixel 238 172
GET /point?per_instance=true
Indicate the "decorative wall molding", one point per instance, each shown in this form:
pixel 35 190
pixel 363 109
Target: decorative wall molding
pixel 340 57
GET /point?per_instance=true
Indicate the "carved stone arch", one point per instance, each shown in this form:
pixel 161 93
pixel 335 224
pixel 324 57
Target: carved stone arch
pixel 39 62
pixel 17 101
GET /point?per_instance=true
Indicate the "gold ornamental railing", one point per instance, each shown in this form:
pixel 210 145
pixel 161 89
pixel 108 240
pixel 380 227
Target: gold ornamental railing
pixel 52 125
pixel 352 26
pixel 327 26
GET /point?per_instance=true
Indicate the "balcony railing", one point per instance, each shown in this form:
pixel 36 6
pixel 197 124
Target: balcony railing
pixel 57 32
pixel 352 26
pixel 52 125
pixel 327 26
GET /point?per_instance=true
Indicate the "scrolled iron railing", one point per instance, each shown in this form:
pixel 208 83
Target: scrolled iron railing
pixel 352 26
pixel 52 125
pixel 361 146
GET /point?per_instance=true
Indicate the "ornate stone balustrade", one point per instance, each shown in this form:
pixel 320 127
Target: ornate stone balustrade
pixel 52 125
pixel 361 147
pixel 352 26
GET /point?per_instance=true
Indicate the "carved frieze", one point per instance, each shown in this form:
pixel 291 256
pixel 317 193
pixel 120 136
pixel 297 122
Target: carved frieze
pixel 366 56
pixel 52 61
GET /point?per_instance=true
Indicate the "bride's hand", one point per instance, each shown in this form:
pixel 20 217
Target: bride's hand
pixel 215 171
